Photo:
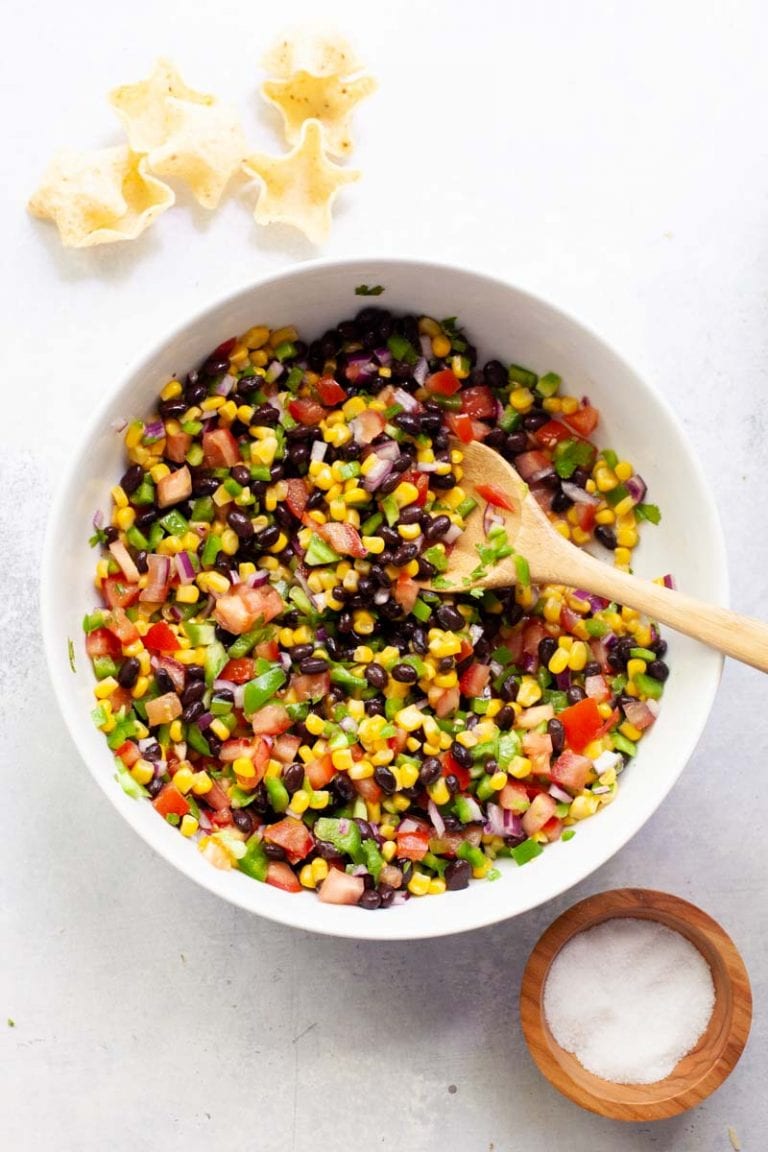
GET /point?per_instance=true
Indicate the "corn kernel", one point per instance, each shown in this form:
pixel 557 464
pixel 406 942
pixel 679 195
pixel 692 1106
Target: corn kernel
pixel 583 806
pixel 142 772
pixel 626 538
pixel 441 346
pixel 306 877
pixel 519 767
pixel 605 516
pixel 570 405
pixel 105 687
pixel 439 791
pixel 220 729
pixel 622 556
pixel 498 781
pixel 299 802
pixel 418 885
pixel 436 887
pixel 341 759
pixel 361 770
pixel 605 479
pixel 636 668
pixel 559 662
pixel 364 623
pixel 187 594
pixel 578 657
pixel 405 493
pixel 630 731
pixel 183 779
pixel 521 399
pixel 201 783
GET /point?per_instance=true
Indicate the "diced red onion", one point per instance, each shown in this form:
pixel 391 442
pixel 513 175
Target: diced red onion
pixel 426 346
pixel 258 578
pixel 434 814
pixel 499 409
pixel 119 424
pixel 496 668
pixel 653 706
pixel 208 415
pixel 348 724
pixel 319 449
pixel 600 790
pixel 378 474
pixel 175 670
pixel 384 356
pixel 388 450
pixel 145 742
pixel 408 824
pixel 406 401
pixel 204 721
pixel 596 687
pixel 180 750
pixel 205 823
pixel 301 580
pixel 638 713
pixel 541 473
pixel 276 402
pixel 421 371
pixel 433 467
pixel 285 660
pixel 491 518
pixel 228 684
pixel 452 535
pixel 184 569
pixel 563 680
pixel 475 811
pixel 597 603
pixel 158 577
pixel 475 632
pixel 607 760
pixel 239 694
pixel 398 899
pixel 669 581
pixel 98 519
pixel 529 662
pixel 637 488
pixel 124 559
pixel 502 822
pixel 559 794
pixel 154 430
pixel 577 494
pixel 274 372
pixel 225 385
pixel 381 596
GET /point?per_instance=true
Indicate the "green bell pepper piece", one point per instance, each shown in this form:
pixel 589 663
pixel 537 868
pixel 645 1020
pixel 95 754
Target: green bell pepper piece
pixel 262 688
pixel 344 835
pixel 255 862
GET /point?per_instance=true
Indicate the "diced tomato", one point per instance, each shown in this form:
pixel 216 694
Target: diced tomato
pixel 292 836
pixel 321 771
pixel 367 426
pixel 585 516
pixel 128 753
pixel 479 402
pixel 543 495
pixel 175 671
pixel 581 722
pixel 451 767
pixel 398 742
pixel 239 610
pixel 465 428
pixel 532 717
pixel 514 797
pixel 285 748
pixel 369 790
pixel 120 698
pixel 312 687
pixel 600 656
pixel 307 412
pixel 537 744
pixel 606 726
pixel 474 679
pixel 271 720
pixel 256 750
pixel 568 618
pixel 220 449
pixel 239 671
pixel 533 633
pixel 267 650
pixel 177 446
pixel 160 638
pixel 118 623
pixel 343 538
pixel 541 810
pixel 639 714
pixel 222 819
pixel 552 829
pixel 174 487
pixel 596 687
pixel 446 703
pixel 496 496
pixel 216 798
pixel 118 593
pixel 340 888
pixel 281 875
pixel 297 497
pixel 421 482
pixel 533 464
pixel 571 771
pixel 443 383
pixel 413 845
pixel 170 800
pixel 223 349
pixel 584 420
pixel 163 709
pixel 102 642
pixel 551 433
pixel 406 591
pixel 329 391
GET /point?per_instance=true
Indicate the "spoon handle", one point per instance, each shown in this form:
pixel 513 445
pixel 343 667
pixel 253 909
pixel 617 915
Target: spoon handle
pixel 741 637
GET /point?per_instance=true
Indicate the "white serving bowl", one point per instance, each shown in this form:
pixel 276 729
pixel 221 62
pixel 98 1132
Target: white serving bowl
pixel 503 321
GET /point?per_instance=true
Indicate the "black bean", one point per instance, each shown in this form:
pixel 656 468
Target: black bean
pixel 592 668
pixel 410 515
pixel 241 475
pixel 605 535
pixel 495 374
pixel 575 694
pixel 242 820
pixel 404 554
pixel 110 534
pixel 172 408
pixel 426 570
pixel 443 483
pixel 267 537
pixel 214 365
pixel 547 649
pixel 311 665
pixel 505 718
pixel 561 502
pixel 195 393
pixel 193 711
pixel 535 420
pixel 265 414
pixel 240 523
pixel 326 851
pixel 446 664
pixel 141 561
pixel 132 479
pixel 658 670
pixel 389 485
pixel 273 851
pixel 129 673
pixel 374 707
pixel 293 777
pixel 153 752
pixel 457 875
pixel 449 618
pixel 197 672
pixel 405 674
pixel 461 755
pixel 370 899
pixel 300 652
pixel 429 771
pixel 557 734
pixel 516 443
pixel 376 676
pixel 155 786
pixel 343 787
pixel 514 613
pixel 509 688
pixel 204 485
pixel 495 439
pixel 659 647
pixel 195 690
pixel 580 477
pixel 385 779
pixel 163 681
pixel 260 802
pixel 452 783
pixel 387 895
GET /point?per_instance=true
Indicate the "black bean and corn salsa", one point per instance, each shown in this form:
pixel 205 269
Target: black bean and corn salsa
pixel 272 672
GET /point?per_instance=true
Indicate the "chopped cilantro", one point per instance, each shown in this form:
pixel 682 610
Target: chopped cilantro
pixel 568 834
pixel 443 584
pixel 365 290
pixel 71 654
pixel 649 512
pixel 572 454
pixel 99 537
pixel 11 1023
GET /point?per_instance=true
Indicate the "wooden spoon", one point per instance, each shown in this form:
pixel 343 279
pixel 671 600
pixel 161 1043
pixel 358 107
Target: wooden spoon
pixel 552 559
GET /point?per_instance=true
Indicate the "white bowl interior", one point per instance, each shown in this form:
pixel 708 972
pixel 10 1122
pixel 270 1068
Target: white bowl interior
pixel 505 322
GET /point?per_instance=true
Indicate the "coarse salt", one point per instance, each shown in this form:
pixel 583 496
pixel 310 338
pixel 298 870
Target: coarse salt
pixel 629 998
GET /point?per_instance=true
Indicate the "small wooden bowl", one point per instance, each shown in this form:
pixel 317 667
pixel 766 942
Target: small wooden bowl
pixel 700 1072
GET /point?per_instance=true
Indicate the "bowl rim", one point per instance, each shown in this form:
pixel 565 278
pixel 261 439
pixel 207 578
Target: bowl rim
pixel 706 934
pixel 282 911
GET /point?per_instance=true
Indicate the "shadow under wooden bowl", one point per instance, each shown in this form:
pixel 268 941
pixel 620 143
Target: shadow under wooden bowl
pixel 699 1073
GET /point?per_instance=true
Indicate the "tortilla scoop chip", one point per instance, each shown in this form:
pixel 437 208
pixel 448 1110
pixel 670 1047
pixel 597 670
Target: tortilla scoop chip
pixel 204 147
pixel 144 107
pixel 329 99
pixel 319 53
pixel 99 197
pixel 299 187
